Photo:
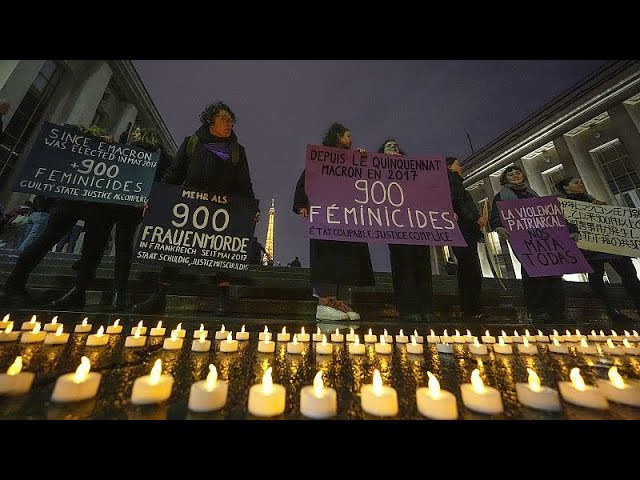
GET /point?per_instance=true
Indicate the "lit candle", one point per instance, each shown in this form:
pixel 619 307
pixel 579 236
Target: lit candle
pixel 506 338
pixel 435 403
pixel 201 331
pixel 98 339
pixel 295 347
pixel 57 338
pixel 568 337
pixel 401 337
pixel 30 325
pixel 173 342
pixel 283 336
pixel 457 338
pixel 5 322
pixel 387 337
pixel 181 333
pixel 555 346
pixel 143 329
pixel 266 399
pixel 210 394
pixel 619 391
pixel 324 348
pixel 594 337
pixel 351 335
pixel 444 347
pixel 610 348
pixel 578 393
pixel 516 338
pixel 468 338
pixel 502 347
pixel 115 329
pixel 378 399
pixel 356 348
pixel 432 337
pixel 303 336
pixel 534 395
pixel 419 338
pixel 337 337
pixel 263 335
pixel 15 381
pixel 152 388
pixel 370 337
pixel 488 338
pixel 83 327
pixel 80 385
pixel 542 338
pixel 628 349
pixel 135 340
pixel 414 347
pixel 584 347
pixel 634 337
pixel 615 336
pixel 52 326
pixel 317 337
pixel 158 330
pixel 477 348
pixel 229 345
pixel 266 345
pixel 318 401
pixel 529 337
pixel 478 397
pixel 242 334
pixel 382 346
pixel 579 336
pixel 8 335
pixel 33 336
pixel 527 348
pixel 201 344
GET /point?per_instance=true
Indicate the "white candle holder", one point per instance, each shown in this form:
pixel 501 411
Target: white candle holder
pixel 441 407
pixel 266 402
pixel 133 341
pixel 266 347
pixel 356 348
pixel 629 394
pixel 318 403
pixel 18 384
pixel 33 337
pixel 143 330
pixel 200 346
pixel 201 399
pixel 172 343
pixel 67 389
pixel 545 399
pixel 415 348
pixel 53 339
pixel 591 397
pixel 382 403
pixel 488 402
pixel 382 348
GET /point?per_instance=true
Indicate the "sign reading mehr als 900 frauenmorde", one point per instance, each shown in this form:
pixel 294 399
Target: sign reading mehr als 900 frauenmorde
pixel 375 197
pixel 65 163
pixel 185 227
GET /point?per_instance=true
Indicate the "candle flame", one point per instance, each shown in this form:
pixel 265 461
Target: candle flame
pixel 295 338
pixel 201 327
pixel 356 339
pixel 100 331
pixel 556 342
pixel 284 330
pixel 583 343
pixel 593 332
pixel 635 333
pixel 434 386
pixel 159 324
pixel 324 339
pixel 6 318
pixel 229 337
pixel 503 333
pixel 415 333
pixel 351 332
pixel 486 333
pixel 444 334
pixel 242 329
pixel 601 333
pixel 202 337
pixel 302 330
pixel 401 333
pixel 370 332
pixel 615 377
pixel 174 335
pixel 382 342
pixel 377 383
pixel 626 343
pixel 525 342
pixel 37 328
pixel 576 379
pixel 534 380
pixel 16 367
pixel 610 343
pixel 140 324
pixel 319 332
pixel 137 334
pixel 82 372
pixel 501 340
pixel 475 342
pixel 431 332
pixel 457 333
pixel 468 333
pixel 385 332
pixel 515 333
pixel 212 377
pixel 318 384
pixel 59 330
pixel 156 372
pixel 567 333
pixel 626 333
pixel 179 327
pixel 116 323
pixel 85 321
pixel 33 319
pixel 578 333
pixel 526 332
pixel 267 382
pixel 54 320
pixel 265 329
pixel 337 332
pixel 613 333
pixel 555 332
pixel 9 328
pixel 540 333
pixel 413 340
pixel 476 381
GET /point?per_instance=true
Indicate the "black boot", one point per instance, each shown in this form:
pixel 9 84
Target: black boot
pixel 154 305
pixel 119 301
pixel 73 299
pixel 223 302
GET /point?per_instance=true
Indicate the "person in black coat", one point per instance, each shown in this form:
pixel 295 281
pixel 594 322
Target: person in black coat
pixel 470 222
pixel 334 265
pixel 218 164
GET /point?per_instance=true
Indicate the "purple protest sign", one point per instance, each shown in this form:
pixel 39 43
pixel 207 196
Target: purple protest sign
pixel 540 238
pixel 379 198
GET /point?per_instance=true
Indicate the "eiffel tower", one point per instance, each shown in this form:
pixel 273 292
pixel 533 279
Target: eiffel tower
pixel 267 258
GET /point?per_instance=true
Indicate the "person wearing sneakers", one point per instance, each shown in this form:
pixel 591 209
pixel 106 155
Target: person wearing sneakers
pixel 335 266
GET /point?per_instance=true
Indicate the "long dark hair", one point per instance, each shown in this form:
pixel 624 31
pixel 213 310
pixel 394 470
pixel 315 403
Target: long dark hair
pixel 381 149
pixel 333 134
pixel 510 168
pixel 563 183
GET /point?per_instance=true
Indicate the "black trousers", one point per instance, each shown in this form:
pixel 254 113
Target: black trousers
pixel 469 277
pixel 624 267
pixel 543 294
pixel 411 276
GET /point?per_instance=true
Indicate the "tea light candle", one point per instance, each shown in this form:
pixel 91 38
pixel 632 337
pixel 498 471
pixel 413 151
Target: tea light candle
pixel 135 340
pixel 201 331
pixel 516 338
pixel 143 329
pixel 542 338
pixel 15 381
pixel 477 348
pixel 318 401
pixel 303 336
pixel 80 385
pixel 370 337
pixel 229 345
pixel 351 335
pixel 619 391
pixel 457 338
pixel 444 347
pixel 33 336
pixel 263 335
pixel 628 349
pixel 382 346
pixel 337 337
pixel 401 337
pixel 201 344
pixel 222 333
pixel 317 337
pixel 526 348
pixel 30 325
pixel 52 326
pixel 295 347
pixel 584 347
pixel 173 342
pixel 386 336
pixel 534 395
pixel 505 338
pixel 435 403
pixel 57 338
pixel 98 339
pixel 283 336
pixel 555 346
pixel 356 348
pixel 578 393
pixel 266 345
pixel 634 336
pixel 468 338
pixel 5 322
pixel 158 330
pixel 419 338
pixel 8 335
pixel 432 337
pixel 242 334
pixel 488 338
pixel 266 399
pixel 610 348
pixel 210 394
pixel 445 337
pixel 414 347
pixel 378 399
pixel 152 388
pixel 115 329
pixel 83 327
pixel 502 347
pixel 480 398
pixel 593 336
pixel 615 337
pixel 324 348
pixel 530 338
pixel 180 332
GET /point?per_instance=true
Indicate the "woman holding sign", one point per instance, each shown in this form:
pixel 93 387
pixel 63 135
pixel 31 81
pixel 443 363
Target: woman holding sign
pixel 334 264
pixel 544 297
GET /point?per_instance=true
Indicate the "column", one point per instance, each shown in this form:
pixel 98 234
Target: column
pixel 89 94
pixel 627 132
pixel 16 76
pixel 564 154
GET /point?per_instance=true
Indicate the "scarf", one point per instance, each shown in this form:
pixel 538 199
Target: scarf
pixel 220 149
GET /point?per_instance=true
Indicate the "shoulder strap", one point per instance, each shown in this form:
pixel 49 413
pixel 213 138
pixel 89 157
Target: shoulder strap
pixel 235 153
pixel 191 146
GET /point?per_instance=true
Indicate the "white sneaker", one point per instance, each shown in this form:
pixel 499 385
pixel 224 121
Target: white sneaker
pixel 324 312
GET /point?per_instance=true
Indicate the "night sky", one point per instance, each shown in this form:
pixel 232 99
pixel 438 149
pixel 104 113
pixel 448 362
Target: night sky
pixel 429 106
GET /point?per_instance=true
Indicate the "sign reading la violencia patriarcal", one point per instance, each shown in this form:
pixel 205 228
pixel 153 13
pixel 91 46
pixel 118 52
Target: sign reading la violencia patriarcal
pixel 65 163
pixel 375 197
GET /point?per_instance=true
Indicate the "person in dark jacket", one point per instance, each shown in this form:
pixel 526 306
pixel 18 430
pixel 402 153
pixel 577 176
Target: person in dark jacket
pixel 573 189
pixel 471 223
pixel 334 265
pixel 544 297
pixel 211 167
